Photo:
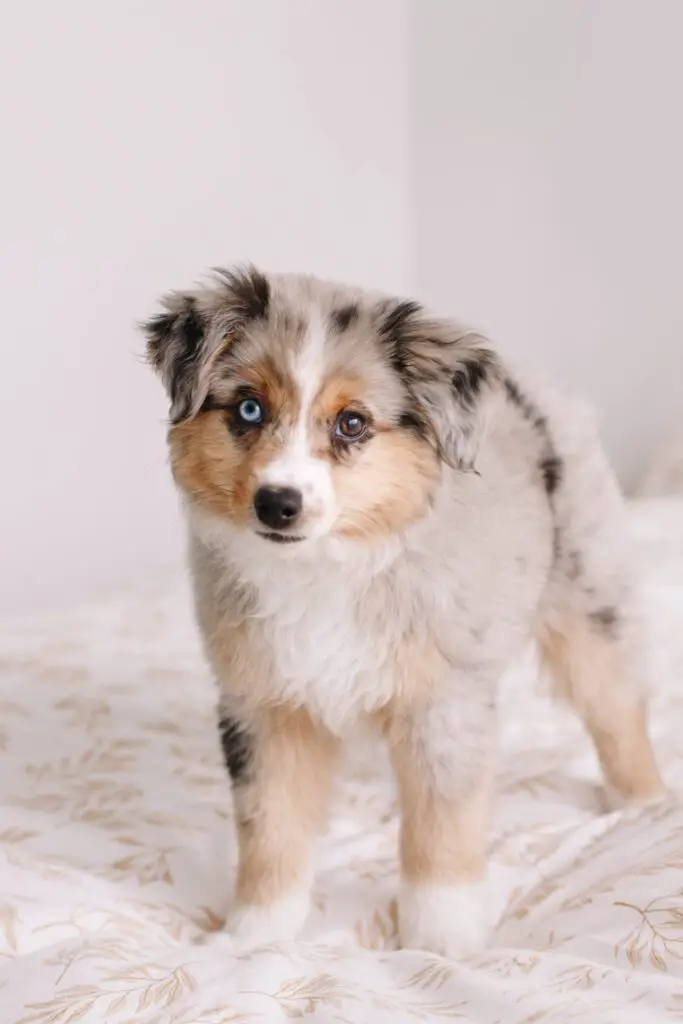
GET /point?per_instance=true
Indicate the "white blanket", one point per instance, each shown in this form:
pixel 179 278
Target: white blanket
pixel 117 852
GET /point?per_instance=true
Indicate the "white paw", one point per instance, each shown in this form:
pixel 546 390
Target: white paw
pixel 446 919
pixel 253 924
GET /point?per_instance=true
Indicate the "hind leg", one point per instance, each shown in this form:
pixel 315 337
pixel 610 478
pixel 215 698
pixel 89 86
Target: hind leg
pixel 594 662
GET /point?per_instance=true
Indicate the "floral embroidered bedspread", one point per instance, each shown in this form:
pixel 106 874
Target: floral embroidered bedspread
pixel 117 850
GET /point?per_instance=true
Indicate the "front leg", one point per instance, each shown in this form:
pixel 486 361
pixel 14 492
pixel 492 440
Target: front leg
pixel 443 752
pixel 281 764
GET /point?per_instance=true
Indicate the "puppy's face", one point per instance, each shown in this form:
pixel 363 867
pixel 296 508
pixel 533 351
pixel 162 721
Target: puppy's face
pixel 302 409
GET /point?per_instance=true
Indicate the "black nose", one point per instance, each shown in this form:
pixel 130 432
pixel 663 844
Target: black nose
pixel 277 507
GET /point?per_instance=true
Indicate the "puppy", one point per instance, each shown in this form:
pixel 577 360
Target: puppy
pixel 381 518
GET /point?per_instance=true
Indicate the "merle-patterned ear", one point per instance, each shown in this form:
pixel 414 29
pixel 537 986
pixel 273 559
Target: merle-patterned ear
pixel 175 342
pixel 450 372
pixel 194 327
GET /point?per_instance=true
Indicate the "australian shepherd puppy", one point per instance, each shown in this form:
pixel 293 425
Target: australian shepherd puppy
pixel 381 517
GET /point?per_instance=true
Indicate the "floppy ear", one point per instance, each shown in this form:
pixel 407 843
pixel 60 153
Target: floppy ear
pixel 185 339
pixel 176 340
pixel 451 373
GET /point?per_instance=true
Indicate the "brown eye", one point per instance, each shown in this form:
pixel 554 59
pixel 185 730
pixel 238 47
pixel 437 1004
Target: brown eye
pixel 350 425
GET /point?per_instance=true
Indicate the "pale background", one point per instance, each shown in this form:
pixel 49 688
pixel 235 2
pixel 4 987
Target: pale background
pixel 518 163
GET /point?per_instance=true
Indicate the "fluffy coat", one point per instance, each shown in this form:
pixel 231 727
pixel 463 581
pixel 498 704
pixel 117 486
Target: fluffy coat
pixel 432 514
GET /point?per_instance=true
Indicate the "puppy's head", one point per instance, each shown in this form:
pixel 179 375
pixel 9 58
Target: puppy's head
pixel 301 409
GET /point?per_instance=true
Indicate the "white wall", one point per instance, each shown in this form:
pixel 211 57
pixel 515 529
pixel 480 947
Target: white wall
pixel 517 163
pixel 141 143
pixel 549 192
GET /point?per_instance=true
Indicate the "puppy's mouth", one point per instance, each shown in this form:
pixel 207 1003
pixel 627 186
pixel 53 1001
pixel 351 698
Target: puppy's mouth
pixel 280 538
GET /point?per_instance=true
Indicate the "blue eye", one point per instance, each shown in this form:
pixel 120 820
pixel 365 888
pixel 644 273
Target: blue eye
pixel 250 411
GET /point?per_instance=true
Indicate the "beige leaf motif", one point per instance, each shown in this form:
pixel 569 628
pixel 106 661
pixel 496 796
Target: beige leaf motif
pixel 657 961
pixel 300 996
pixel 380 931
pixel 156 986
pixel 433 975
pixel 147 866
pixel 15 835
pixel 117 1003
pixel 658 931
pixel 634 952
pixel 8 924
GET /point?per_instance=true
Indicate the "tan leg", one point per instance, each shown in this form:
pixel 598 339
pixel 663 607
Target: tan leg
pixel 281 796
pixel 594 674
pixel 443 839
pixel 442 758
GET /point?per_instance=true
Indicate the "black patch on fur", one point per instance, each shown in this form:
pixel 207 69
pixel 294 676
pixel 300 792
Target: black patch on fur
pixel 342 318
pixel 525 405
pixel 530 411
pixel 158 330
pixel 411 420
pixel 606 619
pixel 237 747
pixel 191 329
pixel 213 404
pixel 183 329
pixel 467 381
pixel 397 317
pixel 186 325
pixel 551 471
pixel 550 465
pixel 250 292
pixel 514 394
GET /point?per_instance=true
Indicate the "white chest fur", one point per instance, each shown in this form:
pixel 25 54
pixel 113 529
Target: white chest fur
pixel 326 656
